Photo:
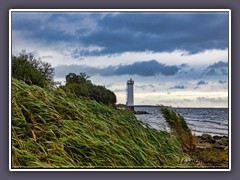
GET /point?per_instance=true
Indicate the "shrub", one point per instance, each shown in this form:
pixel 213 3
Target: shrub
pixel 25 67
pixel 81 86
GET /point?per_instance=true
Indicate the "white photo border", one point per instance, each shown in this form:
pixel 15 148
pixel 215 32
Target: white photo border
pixel 118 10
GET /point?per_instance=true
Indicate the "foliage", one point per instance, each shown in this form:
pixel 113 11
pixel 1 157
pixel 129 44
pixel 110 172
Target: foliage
pixel 53 129
pixel 211 157
pixel 82 78
pixel 179 125
pixel 27 68
pixel 81 86
pixel 101 94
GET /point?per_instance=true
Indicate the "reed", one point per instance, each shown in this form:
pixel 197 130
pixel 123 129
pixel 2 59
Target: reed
pixel 179 126
pixel 54 129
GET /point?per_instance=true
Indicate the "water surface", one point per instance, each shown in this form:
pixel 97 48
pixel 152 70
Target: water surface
pixel 213 121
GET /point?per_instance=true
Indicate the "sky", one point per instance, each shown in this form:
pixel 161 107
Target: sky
pixel 175 58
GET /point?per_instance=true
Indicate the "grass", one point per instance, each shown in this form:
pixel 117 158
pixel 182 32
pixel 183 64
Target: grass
pixel 211 158
pixel 178 124
pixel 52 129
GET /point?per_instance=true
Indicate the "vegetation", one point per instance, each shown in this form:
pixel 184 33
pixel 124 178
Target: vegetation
pixel 32 71
pixel 55 129
pixel 211 157
pixel 81 86
pixel 180 127
pixel 27 68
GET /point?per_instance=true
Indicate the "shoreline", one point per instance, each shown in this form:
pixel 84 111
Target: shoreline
pixel 206 141
pixel 143 114
pixel 211 151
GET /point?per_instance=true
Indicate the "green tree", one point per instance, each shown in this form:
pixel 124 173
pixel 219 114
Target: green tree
pixel 101 94
pixel 27 68
pixel 74 78
pixel 81 86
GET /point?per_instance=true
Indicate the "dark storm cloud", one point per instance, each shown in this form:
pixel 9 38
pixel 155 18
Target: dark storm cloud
pixel 202 82
pixel 145 68
pixel 160 32
pixel 219 68
pixel 132 32
pixel 26 25
pixel 63 70
pixel 46 31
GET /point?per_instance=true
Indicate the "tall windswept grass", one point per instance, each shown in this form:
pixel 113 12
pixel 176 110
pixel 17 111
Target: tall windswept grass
pixel 178 124
pixel 52 129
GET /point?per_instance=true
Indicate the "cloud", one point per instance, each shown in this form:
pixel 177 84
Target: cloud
pixel 128 32
pixel 215 100
pixel 157 32
pixel 46 57
pixel 119 90
pixel 52 27
pixel 222 82
pixel 145 86
pixel 187 100
pixel 202 82
pixel 63 70
pixel 144 68
pixel 218 68
pixel 178 87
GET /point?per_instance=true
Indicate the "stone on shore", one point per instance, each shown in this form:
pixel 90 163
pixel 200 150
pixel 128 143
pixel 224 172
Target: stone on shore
pixel 207 138
pixel 217 142
pixel 212 151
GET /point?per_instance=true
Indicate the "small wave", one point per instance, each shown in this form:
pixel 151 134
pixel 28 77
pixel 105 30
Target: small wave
pixel 207 121
pixel 210 132
pixel 200 120
pixel 208 127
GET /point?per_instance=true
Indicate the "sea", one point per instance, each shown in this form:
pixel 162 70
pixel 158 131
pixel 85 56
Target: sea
pixel 213 121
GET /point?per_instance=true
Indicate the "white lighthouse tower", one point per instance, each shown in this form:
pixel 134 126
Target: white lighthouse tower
pixel 130 100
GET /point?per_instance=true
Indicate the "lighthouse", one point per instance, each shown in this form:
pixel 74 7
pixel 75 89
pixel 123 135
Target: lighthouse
pixel 130 100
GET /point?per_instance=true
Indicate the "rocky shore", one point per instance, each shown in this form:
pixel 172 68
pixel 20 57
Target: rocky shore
pixel 207 141
pixel 212 151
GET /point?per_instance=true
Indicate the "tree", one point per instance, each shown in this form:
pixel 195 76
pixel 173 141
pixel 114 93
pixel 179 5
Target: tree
pixel 101 94
pixel 81 86
pixel 81 78
pixel 27 68
pixel 80 90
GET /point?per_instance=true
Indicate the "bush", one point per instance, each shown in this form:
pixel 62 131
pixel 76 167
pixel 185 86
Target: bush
pixel 25 67
pixel 81 86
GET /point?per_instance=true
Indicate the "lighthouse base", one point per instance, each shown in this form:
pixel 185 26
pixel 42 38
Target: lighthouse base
pixel 131 108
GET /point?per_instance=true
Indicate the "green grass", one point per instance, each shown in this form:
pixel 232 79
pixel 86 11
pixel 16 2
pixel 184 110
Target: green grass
pixel 178 124
pixel 52 129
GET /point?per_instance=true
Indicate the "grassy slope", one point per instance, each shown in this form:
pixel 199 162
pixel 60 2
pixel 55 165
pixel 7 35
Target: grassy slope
pixel 55 129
